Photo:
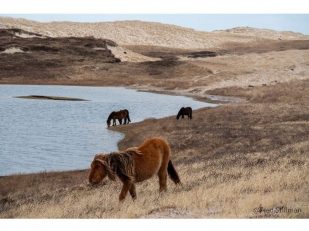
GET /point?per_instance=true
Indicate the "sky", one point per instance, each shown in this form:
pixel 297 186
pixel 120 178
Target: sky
pixel 203 22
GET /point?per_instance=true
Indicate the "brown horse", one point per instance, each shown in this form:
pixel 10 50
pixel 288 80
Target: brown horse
pixel 118 115
pixel 185 111
pixel 135 165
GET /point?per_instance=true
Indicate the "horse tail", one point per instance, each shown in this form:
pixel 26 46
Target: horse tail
pixel 173 173
pixel 128 117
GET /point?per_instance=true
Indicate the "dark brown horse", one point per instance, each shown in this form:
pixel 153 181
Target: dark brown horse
pixel 135 165
pixel 118 115
pixel 185 111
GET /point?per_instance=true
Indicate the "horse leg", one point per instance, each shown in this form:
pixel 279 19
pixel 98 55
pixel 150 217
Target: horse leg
pixel 162 179
pixel 125 188
pixel 120 121
pixel 132 191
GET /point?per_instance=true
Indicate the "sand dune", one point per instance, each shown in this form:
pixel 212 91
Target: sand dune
pixel 151 33
pixel 263 33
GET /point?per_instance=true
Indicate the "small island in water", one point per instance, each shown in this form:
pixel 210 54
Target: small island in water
pixel 45 97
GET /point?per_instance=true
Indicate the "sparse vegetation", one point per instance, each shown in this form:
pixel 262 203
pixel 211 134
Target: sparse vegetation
pixel 248 159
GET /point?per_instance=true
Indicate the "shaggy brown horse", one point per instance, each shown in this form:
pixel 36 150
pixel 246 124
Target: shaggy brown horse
pixel 185 111
pixel 118 115
pixel 135 165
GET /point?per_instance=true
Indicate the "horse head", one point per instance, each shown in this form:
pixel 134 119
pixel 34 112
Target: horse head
pixel 109 119
pixel 180 113
pixel 108 122
pixel 100 169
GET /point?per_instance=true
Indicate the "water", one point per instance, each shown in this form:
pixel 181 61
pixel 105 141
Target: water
pixel 46 135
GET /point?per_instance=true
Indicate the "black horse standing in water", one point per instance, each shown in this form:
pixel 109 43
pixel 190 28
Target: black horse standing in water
pixel 185 111
pixel 118 115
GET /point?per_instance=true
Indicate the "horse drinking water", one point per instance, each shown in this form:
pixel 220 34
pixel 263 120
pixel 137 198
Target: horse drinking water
pixel 135 165
pixel 118 115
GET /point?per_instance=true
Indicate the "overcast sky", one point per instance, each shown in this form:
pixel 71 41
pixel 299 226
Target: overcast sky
pixel 204 22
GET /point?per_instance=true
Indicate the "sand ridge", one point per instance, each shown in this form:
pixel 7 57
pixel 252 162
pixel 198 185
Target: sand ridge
pixel 150 33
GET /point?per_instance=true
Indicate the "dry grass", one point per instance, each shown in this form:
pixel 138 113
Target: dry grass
pixel 219 187
pixel 232 159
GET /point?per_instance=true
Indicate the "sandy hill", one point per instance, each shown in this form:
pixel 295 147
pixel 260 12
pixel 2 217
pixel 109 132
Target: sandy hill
pixel 264 33
pixel 150 33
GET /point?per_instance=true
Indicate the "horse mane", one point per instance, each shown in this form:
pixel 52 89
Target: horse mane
pixel 133 150
pixel 121 164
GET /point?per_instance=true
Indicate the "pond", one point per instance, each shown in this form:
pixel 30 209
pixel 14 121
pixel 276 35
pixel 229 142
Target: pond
pixel 52 135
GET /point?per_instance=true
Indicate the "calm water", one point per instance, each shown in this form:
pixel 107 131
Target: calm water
pixel 46 135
